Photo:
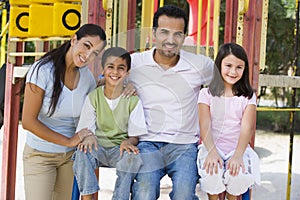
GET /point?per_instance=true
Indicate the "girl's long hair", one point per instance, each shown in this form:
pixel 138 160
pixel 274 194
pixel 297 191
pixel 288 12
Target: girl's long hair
pixel 57 56
pixel 240 88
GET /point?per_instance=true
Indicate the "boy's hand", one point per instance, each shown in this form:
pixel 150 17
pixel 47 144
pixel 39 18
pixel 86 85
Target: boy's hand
pixel 88 143
pixel 126 145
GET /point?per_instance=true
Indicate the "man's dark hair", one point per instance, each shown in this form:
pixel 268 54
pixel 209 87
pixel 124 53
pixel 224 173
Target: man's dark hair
pixel 170 11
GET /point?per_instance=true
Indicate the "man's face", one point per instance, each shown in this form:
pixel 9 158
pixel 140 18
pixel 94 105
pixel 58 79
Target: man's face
pixel 169 36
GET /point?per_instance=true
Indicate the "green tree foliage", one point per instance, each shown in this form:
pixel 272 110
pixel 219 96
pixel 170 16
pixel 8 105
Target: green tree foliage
pixel 280 36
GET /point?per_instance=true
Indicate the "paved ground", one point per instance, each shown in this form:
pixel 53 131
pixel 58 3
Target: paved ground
pixel 272 149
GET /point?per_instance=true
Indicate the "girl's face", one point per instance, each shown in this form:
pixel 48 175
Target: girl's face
pixel 232 69
pixel 115 70
pixel 85 50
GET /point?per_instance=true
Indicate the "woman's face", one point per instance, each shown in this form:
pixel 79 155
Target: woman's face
pixel 85 50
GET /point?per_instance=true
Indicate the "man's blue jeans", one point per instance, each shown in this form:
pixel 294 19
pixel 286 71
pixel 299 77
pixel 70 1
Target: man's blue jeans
pixel 85 164
pixel 159 159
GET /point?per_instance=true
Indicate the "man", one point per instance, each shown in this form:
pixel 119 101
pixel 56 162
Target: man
pixel 168 80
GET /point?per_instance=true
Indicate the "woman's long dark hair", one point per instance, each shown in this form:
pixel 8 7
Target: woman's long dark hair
pixel 240 88
pixel 57 56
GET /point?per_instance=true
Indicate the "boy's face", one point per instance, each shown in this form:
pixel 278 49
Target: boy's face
pixel 115 71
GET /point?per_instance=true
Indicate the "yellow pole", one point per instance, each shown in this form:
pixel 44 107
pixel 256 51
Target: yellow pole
pixel 263 40
pixel 122 25
pixel 114 34
pixel 3 37
pixel 146 30
pixel 216 27
pixel 108 27
pixel 161 3
pixel 243 8
pixel 207 28
pixel 199 26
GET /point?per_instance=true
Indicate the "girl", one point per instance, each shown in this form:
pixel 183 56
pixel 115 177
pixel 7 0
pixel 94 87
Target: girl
pixel 56 87
pixel 227 112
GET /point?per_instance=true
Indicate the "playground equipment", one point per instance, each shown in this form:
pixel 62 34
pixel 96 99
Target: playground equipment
pixel 245 23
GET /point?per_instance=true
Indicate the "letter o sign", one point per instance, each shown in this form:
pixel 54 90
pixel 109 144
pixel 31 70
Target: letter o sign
pixel 70 14
pixel 19 23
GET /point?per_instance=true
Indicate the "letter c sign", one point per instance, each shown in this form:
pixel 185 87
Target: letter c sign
pixel 67 14
pixel 18 21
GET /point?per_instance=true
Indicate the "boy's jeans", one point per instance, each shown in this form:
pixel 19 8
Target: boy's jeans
pixel 159 159
pixel 85 164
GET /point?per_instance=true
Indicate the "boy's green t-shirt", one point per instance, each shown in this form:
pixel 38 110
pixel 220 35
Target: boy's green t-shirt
pixel 111 125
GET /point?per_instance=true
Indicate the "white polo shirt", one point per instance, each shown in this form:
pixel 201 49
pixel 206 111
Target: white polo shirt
pixel 169 97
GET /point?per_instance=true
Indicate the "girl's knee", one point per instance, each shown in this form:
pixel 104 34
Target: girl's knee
pixel 236 185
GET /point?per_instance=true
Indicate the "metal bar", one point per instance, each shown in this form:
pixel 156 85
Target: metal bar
pixel 131 25
pixel 10 136
pixel 230 21
pixel 198 50
pixel 277 109
pixel 39 39
pixel 3 37
pixel 122 25
pixel 26 53
pixel 279 80
pixel 263 41
pixel 114 24
pixel 216 27
pixel 292 113
pixel 146 31
pixel 207 28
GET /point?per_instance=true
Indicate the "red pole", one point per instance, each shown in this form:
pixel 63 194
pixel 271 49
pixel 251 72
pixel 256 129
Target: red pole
pixel 131 25
pixel 10 136
pixel 230 21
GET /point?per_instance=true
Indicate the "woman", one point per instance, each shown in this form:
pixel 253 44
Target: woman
pixel 56 87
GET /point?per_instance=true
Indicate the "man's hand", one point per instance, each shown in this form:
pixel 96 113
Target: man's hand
pixel 129 90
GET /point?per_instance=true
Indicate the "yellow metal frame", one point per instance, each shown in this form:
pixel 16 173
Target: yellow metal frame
pixel 198 51
pixel 216 27
pixel 207 28
pixel 263 40
pixel 146 23
pixel 242 9
pixel 123 22
pixel 108 27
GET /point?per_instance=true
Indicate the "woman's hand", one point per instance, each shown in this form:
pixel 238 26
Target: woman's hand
pixel 88 143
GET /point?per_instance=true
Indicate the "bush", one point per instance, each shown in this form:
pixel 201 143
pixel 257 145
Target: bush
pixel 277 121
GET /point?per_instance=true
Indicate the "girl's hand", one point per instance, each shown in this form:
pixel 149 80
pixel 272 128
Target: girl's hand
pixel 88 143
pixel 212 162
pixel 126 145
pixel 234 164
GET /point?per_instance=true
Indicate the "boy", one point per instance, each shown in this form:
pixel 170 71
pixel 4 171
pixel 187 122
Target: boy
pixel 116 123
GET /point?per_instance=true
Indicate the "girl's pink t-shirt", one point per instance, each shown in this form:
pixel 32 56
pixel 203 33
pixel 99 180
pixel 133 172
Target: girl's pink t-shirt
pixel 226 117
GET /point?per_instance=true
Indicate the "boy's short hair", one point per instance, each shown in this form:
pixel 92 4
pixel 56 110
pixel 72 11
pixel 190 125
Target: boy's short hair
pixel 116 52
